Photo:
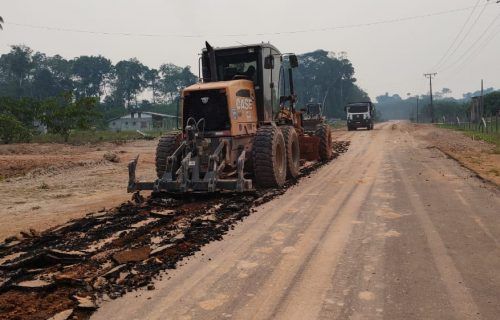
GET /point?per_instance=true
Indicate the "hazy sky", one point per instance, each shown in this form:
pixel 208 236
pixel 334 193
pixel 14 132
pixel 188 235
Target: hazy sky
pixel 387 57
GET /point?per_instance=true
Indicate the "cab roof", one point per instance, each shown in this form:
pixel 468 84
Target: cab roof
pixel 359 103
pixel 258 45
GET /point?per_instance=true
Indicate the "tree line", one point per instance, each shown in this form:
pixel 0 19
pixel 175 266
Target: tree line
pixel 396 107
pixel 64 94
pixel 24 73
pixel 327 77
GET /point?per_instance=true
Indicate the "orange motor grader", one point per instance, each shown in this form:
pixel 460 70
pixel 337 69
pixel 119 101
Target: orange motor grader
pixel 240 129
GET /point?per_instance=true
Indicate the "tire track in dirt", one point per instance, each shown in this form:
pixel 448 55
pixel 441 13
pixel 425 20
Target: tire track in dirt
pixel 199 280
pixel 301 298
pixel 459 295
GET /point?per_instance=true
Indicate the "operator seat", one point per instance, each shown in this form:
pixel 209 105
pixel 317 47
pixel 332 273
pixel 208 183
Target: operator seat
pixel 250 73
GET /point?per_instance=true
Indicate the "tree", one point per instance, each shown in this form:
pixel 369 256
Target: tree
pixel 129 80
pixel 24 73
pixel 477 93
pixel 26 110
pixel 324 74
pixel 12 129
pixel 51 76
pixel 492 103
pixel 152 77
pixel 15 68
pixel 356 94
pixel 44 85
pixel 63 114
pixel 90 73
pixel 394 107
pixel 446 91
pixel 174 78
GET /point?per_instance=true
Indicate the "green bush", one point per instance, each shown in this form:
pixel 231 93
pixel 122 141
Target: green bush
pixel 12 130
pixel 64 114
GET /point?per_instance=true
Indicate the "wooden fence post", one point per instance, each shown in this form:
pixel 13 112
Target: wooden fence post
pixel 496 122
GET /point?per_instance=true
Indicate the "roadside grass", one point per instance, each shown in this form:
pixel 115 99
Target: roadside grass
pixel 338 124
pixel 491 137
pixel 94 136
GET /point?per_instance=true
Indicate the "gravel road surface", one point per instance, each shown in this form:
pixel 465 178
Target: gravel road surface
pixel 391 230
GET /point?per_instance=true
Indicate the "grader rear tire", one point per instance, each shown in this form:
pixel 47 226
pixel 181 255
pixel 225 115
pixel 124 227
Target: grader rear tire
pixel 324 133
pixel 269 157
pixel 292 148
pixel 166 146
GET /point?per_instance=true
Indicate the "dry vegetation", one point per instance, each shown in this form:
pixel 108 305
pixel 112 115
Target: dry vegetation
pixel 480 154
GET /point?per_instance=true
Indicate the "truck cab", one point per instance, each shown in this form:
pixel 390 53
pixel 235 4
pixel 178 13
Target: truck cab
pixel 360 115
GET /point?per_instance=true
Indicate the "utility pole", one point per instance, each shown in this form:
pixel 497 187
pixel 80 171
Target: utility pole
pixel 481 102
pixel 430 75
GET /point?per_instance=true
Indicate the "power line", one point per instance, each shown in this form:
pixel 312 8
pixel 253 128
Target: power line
pixel 350 26
pixel 473 54
pixel 468 32
pixel 457 36
pixel 471 47
pixel 483 45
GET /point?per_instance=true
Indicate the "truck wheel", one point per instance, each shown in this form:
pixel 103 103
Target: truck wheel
pixel 292 148
pixel 324 133
pixel 166 146
pixel 269 157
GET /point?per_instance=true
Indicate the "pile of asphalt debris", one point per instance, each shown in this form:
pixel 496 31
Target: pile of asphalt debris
pixel 65 272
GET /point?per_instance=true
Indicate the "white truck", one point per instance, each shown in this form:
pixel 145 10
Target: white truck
pixel 360 115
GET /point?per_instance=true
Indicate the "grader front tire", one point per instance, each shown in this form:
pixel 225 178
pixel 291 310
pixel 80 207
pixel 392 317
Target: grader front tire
pixel 269 157
pixel 292 148
pixel 166 146
pixel 324 133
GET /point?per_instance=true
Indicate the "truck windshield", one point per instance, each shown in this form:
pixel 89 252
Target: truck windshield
pixel 357 109
pixel 313 108
pixel 237 65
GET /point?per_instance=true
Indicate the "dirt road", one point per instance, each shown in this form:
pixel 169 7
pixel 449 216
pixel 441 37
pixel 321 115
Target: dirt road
pixel 61 182
pixel 392 230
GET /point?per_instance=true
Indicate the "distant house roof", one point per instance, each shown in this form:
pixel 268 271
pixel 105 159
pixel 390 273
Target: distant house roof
pixel 160 114
pixel 147 113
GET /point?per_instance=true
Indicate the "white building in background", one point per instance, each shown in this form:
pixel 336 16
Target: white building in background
pixel 143 121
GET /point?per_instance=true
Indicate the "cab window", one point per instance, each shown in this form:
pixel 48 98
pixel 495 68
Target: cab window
pixel 237 66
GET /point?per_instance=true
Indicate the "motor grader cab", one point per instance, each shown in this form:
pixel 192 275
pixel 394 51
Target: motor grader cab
pixel 313 116
pixel 239 126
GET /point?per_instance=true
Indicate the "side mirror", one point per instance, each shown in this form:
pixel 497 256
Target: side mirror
pixel 269 62
pixel 294 62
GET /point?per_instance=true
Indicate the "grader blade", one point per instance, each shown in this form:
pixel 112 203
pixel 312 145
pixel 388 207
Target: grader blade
pixel 309 148
pixel 133 184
